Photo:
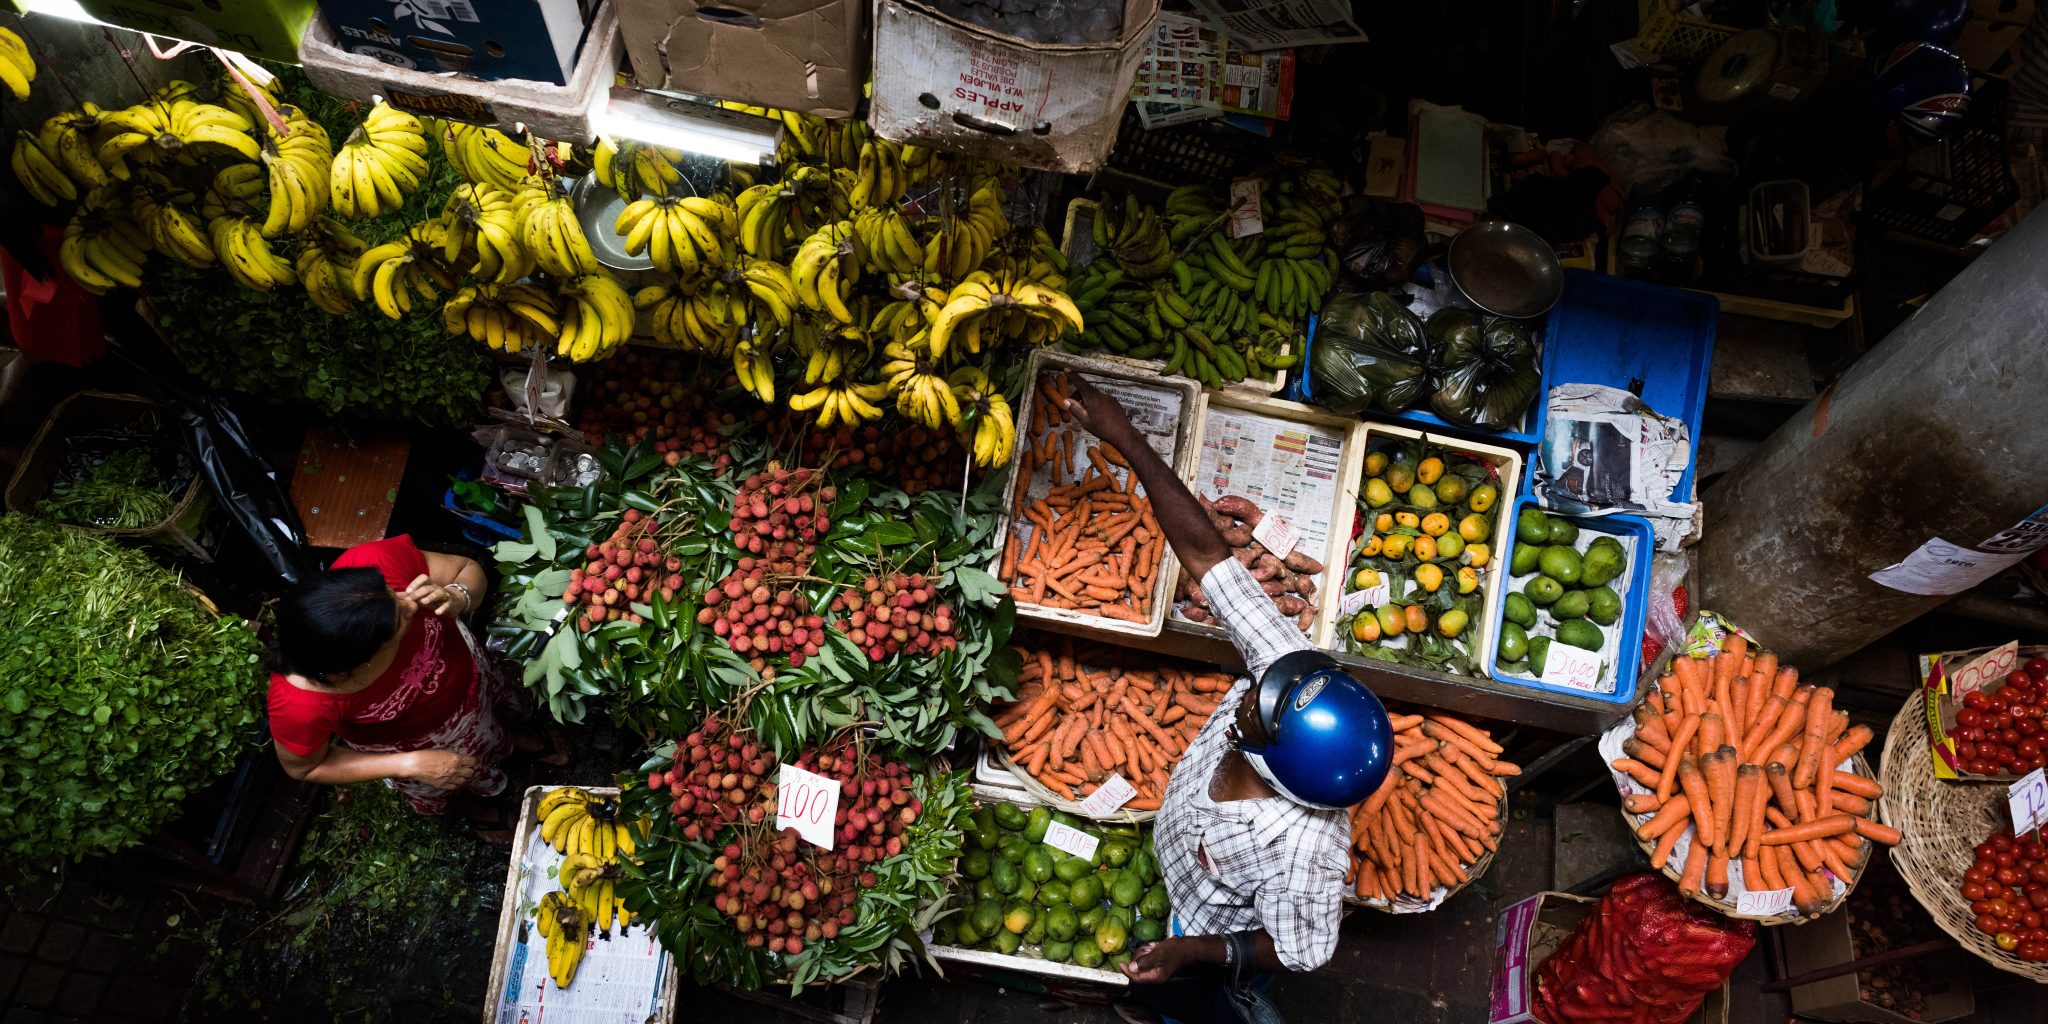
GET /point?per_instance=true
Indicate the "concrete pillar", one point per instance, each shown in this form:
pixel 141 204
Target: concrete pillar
pixel 1941 431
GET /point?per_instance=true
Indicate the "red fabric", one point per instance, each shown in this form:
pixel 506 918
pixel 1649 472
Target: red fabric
pixel 428 682
pixel 52 319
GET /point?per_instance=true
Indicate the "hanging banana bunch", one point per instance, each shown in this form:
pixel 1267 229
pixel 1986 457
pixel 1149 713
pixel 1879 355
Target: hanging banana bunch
pixel 682 235
pixel 989 416
pixel 383 161
pixel 391 274
pixel 922 392
pixel 886 242
pixel 155 130
pixel 38 172
pixel 326 265
pixel 825 270
pixel 297 162
pixel 508 318
pixel 756 371
pixel 236 208
pixel 983 308
pixel 67 138
pixel 484 155
pixel 164 211
pixel 488 221
pixel 965 240
pixel 634 169
pixel 597 317
pixel 702 317
pixel 554 235
pixel 102 247
pixel 881 178
pixel 17 65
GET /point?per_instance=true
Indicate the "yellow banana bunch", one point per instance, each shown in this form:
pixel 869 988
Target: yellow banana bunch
pixel 887 243
pixel 390 275
pixel 825 268
pixel 922 394
pixel 769 302
pixel 682 235
pixel 554 236
pixel 756 371
pixel 881 178
pixel 163 210
pixel 704 318
pixel 597 318
pixel 17 65
pixel 67 139
pixel 1008 306
pixel 383 161
pixel 842 403
pixel 326 265
pixel 508 318
pixel 489 220
pixel 39 173
pixel 296 163
pixel 765 216
pixel 963 242
pixel 565 928
pixel 102 247
pixel 239 243
pixel 485 155
pixel 236 98
pixel 634 169
pixel 995 429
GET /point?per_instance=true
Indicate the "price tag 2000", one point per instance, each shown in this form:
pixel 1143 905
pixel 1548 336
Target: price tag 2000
pixel 2028 799
pixel 1768 903
pixel 1572 666
pixel 807 802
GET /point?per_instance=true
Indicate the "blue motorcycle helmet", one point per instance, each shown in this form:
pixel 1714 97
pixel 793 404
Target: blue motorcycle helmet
pixel 1324 740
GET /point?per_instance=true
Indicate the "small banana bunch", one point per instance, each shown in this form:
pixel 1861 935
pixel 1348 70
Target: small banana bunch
pixel 392 273
pixel 589 833
pixel 886 241
pixel 1134 236
pixel 383 161
pixel 825 269
pixel 163 210
pixel 561 923
pixel 682 235
pixel 233 96
pixel 765 213
pixel 554 236
pixel 770 299
pixel 881 178
pixel 842 403
pixel 756 371
pixel 995 427
pixel 828 356
pixel 326 265
pixel 490 220
pixel 38 172
pixel 634 169
pixel 17 65
pixel 102 247
pixel 67 138
pixel 569 818
pixel 234 211
pixel 508 318
pixel 154 129
pixel 297 162
pixel 597 318
pixel 703 318
pixel 907 320
pixel 922 393
pixel 1191 210
pixel 484 155
pixel 963 243
pixel 1004 307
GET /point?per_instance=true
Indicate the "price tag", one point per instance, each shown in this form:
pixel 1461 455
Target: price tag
pixel 1112 794
pixel 1067 839
pixel 1371 597
pixel 2028 799
pixel 1245 218
pixel 807 802
pixel 1277 534
pixel 1571 666
pixel 1769 903
pixel 1985 670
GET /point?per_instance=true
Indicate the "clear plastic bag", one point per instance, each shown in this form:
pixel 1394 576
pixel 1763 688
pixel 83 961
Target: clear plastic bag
pixel 1369 349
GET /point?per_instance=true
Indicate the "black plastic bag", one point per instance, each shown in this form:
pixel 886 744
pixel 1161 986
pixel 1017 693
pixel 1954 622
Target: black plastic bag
pixel 1488 374
pixel 1369 349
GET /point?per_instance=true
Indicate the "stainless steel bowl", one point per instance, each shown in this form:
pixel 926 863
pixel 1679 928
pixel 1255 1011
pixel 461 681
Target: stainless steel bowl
pixel 1505 269
pixel 598 208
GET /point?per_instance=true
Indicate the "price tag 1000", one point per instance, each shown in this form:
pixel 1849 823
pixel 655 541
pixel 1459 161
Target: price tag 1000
pixel 1067 839
pixel 1985 670
pixel 1112 794
pixel 1572 666
pixel 807 802
pixel 2028 799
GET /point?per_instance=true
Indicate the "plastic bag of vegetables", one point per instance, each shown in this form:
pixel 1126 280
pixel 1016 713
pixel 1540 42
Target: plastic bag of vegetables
pixel 1487 368
pixel 1368 349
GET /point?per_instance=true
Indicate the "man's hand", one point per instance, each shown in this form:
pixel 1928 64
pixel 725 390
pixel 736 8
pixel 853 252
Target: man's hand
pixel 1100 414
pixel 1157 962
pixel 442 769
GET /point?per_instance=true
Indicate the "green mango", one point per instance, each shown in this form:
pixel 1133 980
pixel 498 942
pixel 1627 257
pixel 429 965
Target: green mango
pixel 1148 930
pixel 1514 642
pixel 1012 847
pixel 1523 561
pixel 1561 563
pixel 1539 654
pixel 1035 824
pixel 1121 915
pixel 1027 890
pixel 1116 963
pixel 1060 923
pixel 1008 943
pixel 1059 951
pixel 1581 634
pixel 1603 562
pixel 1572 605
pixel 1009 817
pixel 1072 869
pixel 987 917
pixel 1005 875
pixel 965 934
pixel 1116 853
pixel 1146 865
pixel 1563 531
pixel 1154 903
pixel 1035 935
pixel 1603 605
pixel 1052 894
pixel 1126 891
pixel 1086 920
pixel 946 932
pixel 1518 609
pixel 974 864
pixel 1111 936
pixel 984 829
pixel 1084 892
pixel 1017 917
pixel 1038 865
pixel 1543 591
pixel 1532 527
pixel 1087 954
pixel 985 888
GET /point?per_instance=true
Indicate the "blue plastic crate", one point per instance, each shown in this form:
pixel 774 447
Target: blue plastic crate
pixel 1301 389
pixel 1635 602
pixel 1613 331
pixel 476 527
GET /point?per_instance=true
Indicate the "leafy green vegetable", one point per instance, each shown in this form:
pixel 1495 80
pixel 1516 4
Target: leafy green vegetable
pixel 123 693
pixel 122 493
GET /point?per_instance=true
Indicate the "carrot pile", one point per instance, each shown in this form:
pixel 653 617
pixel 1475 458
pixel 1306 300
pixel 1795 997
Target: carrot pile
pixel 1736 747
pixel 1091 543
pixel 1437 813
pixel 1082 714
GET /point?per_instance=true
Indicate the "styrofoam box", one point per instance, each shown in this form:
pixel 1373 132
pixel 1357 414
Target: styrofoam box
pixel 559 113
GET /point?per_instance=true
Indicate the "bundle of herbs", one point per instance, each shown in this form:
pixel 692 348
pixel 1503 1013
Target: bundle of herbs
pixel 122 492
pixel 119 693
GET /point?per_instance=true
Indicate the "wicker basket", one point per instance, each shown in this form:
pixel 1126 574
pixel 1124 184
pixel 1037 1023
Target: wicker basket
pixel 1044 794
pixel 1942 824
pixel 1407 905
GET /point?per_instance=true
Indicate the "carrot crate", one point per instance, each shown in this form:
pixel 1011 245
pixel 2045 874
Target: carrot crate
pixel 1080 544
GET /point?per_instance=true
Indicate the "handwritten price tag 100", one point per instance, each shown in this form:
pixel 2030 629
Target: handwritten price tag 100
pixel 807 802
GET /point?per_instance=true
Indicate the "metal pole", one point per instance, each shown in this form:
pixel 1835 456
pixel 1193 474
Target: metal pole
pixel 1938 432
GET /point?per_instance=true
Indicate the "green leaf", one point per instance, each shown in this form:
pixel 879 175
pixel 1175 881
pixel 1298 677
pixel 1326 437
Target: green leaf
pixel 977 586
pixel 537 527
pixel 511 552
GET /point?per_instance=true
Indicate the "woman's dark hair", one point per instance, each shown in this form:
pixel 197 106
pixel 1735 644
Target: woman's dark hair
pixel 334 622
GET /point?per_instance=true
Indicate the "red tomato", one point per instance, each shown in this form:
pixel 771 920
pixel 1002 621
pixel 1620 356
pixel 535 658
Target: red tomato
pixel 1972 891
pixel 2017 678
pixel 1975 700
pixel 2037 667
pixel 2026 727
pixel 1988 925
pixel 2037 870
pixel 2030 918
pixel 1969 718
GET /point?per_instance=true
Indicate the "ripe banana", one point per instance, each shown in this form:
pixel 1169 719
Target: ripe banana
pixel 554 235
pixel 17 66
pixel 103 249
pixel 38 173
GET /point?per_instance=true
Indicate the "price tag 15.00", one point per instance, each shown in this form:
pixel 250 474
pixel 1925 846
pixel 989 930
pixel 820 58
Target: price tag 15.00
pixel 2028 799
pixel 1572 666
pixel 807 802
pixel 1112 794
pixel 1067 839
pixel 1768 903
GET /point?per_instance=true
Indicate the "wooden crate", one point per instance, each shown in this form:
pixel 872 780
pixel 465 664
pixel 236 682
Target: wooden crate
pixel 1320 500
pixel 1171 426
pixel 593 998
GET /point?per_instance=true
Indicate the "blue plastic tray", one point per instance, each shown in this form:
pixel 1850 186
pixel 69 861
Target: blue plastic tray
pixel 1614 331
pixel 1635 602
pixel 1299 389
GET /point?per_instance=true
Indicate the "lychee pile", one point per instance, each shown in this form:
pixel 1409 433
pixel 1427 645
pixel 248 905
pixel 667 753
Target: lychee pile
pixel 642 395
pixel 887 615
pixel 919 458
pixel 761 621
pixel 627 567
pixel 779 515
pixel 781 893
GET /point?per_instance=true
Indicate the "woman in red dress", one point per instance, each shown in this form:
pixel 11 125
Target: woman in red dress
pixel 373 653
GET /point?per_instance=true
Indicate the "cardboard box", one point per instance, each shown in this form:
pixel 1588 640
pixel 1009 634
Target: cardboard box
pixel 809 56
pixel 259 28
pixel 1531 930
pixel 1946 679
pixel 1828 942
pixel 960 87
pixel 534 40
pixel 548 110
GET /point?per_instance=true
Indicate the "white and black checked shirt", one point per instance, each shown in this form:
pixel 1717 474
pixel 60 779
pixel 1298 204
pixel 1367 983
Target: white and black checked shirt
pixel 1266 863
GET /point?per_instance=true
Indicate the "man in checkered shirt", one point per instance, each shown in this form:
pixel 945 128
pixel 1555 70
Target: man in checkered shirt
pixel 1254 860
